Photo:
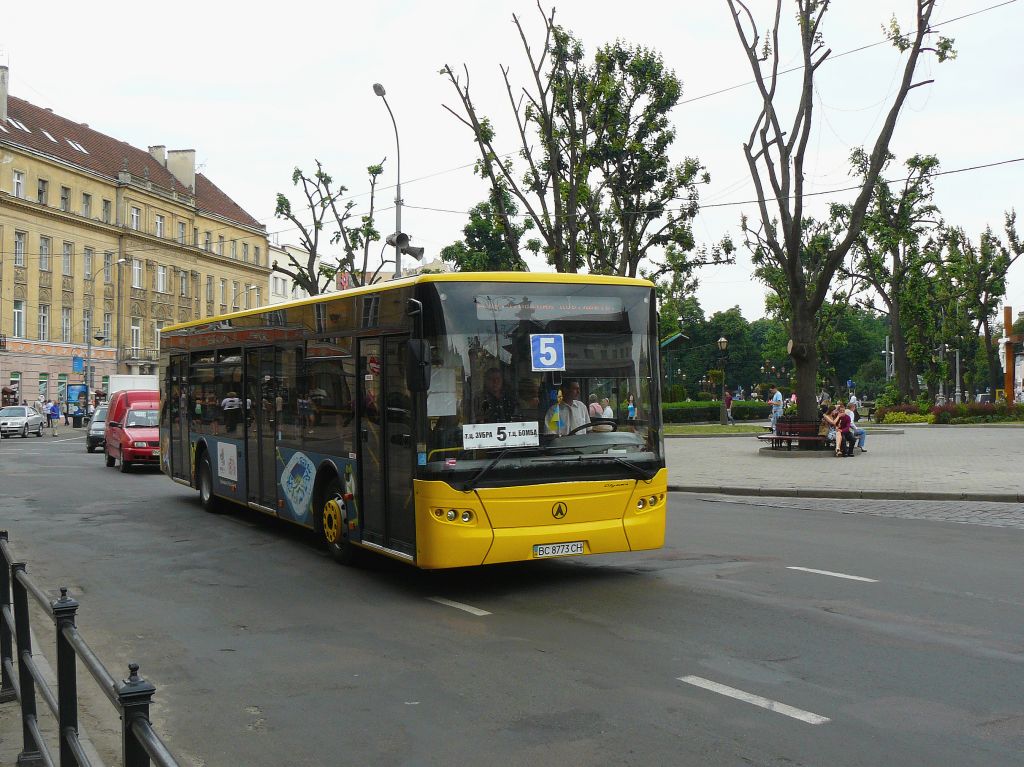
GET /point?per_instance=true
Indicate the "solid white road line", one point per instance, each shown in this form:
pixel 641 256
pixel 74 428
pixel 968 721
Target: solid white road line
pixel 459 606
pixel 756 700
pixel 834 575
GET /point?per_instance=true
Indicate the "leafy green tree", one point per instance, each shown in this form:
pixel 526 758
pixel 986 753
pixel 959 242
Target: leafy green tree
pixel 797 259
pixel 325 203
pixel 486 246
pixel 891 247
pixel 593 173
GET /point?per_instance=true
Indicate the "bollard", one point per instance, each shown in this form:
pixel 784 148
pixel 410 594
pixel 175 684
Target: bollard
pixel 30 752
pixel 64 610
pixel 7 692
pixel 134 695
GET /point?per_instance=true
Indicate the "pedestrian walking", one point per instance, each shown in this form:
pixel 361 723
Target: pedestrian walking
pixel 54 416
pixel 47 413
pixel 728 408
pixel 776 405
pixel 64 409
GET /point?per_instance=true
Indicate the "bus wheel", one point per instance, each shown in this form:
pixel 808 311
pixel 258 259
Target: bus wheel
pixel 204 476
pixel 331 523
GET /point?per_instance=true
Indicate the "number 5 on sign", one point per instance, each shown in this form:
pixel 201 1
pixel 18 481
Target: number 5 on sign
pixel 548 351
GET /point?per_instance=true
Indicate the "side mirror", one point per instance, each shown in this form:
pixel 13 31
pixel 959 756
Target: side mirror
pixel 417 365
pixel 114 424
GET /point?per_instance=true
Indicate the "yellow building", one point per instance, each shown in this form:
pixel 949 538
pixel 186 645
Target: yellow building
pixel 102 244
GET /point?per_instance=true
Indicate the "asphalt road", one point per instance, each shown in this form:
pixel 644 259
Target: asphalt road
pixel 712 651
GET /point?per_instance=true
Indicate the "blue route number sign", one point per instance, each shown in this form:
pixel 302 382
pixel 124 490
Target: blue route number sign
pixel 547 351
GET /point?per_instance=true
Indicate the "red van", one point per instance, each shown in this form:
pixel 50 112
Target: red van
pixel 131 433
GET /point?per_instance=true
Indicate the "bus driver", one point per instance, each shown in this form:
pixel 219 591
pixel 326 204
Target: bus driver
pixel 569 414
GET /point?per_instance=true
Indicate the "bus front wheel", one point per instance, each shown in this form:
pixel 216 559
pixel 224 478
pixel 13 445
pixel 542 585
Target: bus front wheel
pixel 331 523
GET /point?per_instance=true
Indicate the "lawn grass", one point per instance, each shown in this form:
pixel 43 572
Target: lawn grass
pixel 712 428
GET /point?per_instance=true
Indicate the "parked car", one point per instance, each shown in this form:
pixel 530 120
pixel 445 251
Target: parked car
pixel 98 422
pixel 131 435
pixel 20 419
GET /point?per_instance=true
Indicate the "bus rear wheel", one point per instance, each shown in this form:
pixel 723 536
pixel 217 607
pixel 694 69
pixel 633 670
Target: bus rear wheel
pixel 331 523
pixel 204 478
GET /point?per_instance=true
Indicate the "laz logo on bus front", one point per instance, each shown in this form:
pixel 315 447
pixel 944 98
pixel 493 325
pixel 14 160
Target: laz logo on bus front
pixel 480 436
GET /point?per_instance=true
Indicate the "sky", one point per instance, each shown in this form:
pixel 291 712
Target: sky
pixel 257 90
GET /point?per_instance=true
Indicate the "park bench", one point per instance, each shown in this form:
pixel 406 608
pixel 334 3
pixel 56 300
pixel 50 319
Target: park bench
pixel 803 433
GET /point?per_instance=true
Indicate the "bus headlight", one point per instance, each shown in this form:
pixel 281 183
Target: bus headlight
pixel 652 500
pixel 641 503
pixel 467 516
pixel 451 515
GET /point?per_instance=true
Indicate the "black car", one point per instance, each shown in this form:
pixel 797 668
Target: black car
pixel 94 437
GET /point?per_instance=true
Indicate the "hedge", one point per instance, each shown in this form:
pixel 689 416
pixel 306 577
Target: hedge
pixel 690 412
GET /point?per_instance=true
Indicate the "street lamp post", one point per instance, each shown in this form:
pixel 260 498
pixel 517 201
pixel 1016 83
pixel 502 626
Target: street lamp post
pixel 379 90
pixel 89 379
pixel 723 345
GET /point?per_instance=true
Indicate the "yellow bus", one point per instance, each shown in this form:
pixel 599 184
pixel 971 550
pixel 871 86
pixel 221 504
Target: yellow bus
pixel 445 420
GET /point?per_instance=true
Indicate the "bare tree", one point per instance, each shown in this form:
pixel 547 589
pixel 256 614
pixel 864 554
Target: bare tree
pixel 325 203
pixel 775 157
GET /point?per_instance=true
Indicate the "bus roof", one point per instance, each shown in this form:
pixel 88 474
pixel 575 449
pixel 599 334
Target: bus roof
pixel 516 277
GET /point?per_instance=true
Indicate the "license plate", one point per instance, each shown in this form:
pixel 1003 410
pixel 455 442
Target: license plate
pixel 156 453
pixel 557 549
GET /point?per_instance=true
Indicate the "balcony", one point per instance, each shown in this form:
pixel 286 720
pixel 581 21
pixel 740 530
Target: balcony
pixel 139 354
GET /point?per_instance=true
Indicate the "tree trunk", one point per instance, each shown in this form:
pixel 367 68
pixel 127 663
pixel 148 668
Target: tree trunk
pixel 804 353
pixel 901 362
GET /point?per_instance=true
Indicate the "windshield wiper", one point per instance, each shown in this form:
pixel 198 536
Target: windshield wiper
pixel 640 471
pixel 472 482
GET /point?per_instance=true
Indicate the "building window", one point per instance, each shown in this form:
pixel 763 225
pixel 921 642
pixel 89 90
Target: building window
pixel 259 297
pixel 181 232
pixel 183 283
pixel 62 387
pixel 18 330
pixel 136 336
pixel 207 242
pixel 136 218
pixel 106 211
pixel 136 273
pixel 16 383
pixel 256 255
pixel 220 245
pixel 19 184
pixel 44 322
pixel 65 324
pixel 19 248
pixel 234 295
pixel 68 258
pixel 161 279
pixel 86 324
pixel 195 236
pixel 88 263
pixel 107 318
pixel 65 199
pixel 43 192
pixel 108 267
pixel 223 291
pixel 44 254
pixel 106 384
pixel 157 327
pixel 44 385
pixel 159 226
pixel 234 249
pixel 209 289
pixel 86 205
pixel 245 251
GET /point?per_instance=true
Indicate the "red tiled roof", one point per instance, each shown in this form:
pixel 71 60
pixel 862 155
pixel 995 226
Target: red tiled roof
pixel 107 156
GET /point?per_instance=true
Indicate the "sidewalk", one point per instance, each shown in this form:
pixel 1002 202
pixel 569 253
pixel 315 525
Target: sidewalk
pixel 961 463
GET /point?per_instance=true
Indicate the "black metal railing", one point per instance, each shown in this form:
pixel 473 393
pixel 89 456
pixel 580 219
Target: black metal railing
pixel 131 696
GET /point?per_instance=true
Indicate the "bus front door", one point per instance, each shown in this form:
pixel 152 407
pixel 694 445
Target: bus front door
pixel 262 379
pixel 385 445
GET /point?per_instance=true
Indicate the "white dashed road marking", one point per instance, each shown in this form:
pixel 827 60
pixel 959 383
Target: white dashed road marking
pixel 459 606
pixel 834 575
pixel 756 700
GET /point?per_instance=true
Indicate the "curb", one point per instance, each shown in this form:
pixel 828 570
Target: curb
pixel 867 495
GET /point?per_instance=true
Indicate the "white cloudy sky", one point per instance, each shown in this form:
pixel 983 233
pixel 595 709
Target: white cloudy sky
pixel 257 88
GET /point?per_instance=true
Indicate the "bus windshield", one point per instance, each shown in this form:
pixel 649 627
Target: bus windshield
pixel 543 380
